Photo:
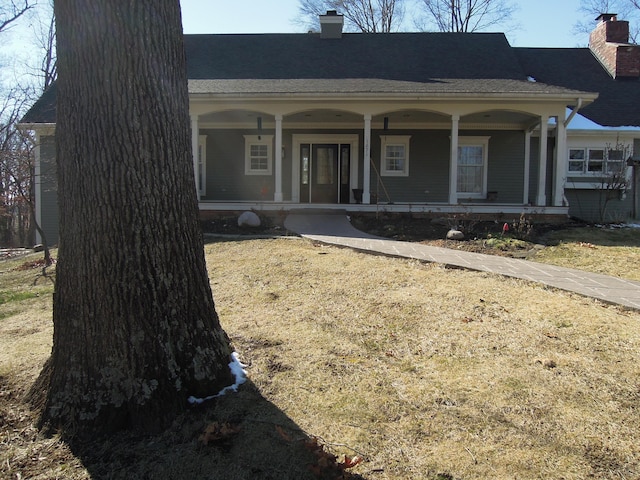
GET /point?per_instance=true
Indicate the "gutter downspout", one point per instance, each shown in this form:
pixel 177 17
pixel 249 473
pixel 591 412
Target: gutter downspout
pixel 573 113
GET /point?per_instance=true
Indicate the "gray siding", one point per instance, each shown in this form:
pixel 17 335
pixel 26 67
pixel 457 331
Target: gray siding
pixel 48 189
pixel 586 205
pixel 428 179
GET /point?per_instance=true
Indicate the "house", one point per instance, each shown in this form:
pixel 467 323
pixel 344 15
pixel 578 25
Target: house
pixel 428 123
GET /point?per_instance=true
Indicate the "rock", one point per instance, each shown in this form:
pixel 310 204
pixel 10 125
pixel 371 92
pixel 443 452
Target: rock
pixel 38 248
pixel 248 219
pixel 455 235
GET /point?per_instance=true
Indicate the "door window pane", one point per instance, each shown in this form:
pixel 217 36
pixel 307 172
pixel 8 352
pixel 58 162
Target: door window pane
pixel 324 167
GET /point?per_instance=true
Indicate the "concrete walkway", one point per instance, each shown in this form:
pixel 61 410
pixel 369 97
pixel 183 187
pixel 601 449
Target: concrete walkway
pixel 334 228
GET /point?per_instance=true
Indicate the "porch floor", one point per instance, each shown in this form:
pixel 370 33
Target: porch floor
pixel 333 227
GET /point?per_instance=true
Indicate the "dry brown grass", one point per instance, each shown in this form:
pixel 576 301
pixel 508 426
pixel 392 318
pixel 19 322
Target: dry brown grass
pixel 610 251
pixel 429 373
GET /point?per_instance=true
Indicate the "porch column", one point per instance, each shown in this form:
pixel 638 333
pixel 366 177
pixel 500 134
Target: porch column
pixel 277 195
pixel 366 181
pixel 453 162
pixel 527 166
pixel 195 150
pixel 561 163
pixel 541 199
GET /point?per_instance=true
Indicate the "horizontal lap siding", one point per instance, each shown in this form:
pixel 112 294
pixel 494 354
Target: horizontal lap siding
pixel 506 165
pixel 226 180
pixel 48 189
pixel 428 179
pixel 586 205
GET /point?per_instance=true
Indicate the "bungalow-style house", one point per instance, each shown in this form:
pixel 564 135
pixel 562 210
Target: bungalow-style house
pixel 428 123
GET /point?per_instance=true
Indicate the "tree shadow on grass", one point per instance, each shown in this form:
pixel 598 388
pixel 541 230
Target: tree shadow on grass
pixel 258 441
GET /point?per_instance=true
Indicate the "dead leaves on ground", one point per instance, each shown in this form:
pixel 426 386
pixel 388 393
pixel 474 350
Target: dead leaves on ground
pixel 218 432
pixel 326 464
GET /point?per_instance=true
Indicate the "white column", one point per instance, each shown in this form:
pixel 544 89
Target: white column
pixel 453 161
pixel 527 166
pixel 277 195
pixel 366 181
pixel 542 163
pixel 194 151
pixel 560 177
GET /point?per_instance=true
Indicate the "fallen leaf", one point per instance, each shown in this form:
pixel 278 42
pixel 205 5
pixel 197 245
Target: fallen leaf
pixel 283 434
pixel 350 462
pixel 216 431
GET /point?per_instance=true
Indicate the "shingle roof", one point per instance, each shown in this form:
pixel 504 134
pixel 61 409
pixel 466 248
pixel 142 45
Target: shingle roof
pixel 577 68
pixel 356 64
pixel 395 56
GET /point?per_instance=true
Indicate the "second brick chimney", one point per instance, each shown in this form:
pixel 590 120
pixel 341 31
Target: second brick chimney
pixel 609 42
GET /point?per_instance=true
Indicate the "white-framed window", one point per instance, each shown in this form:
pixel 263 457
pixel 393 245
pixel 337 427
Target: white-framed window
pixel 595 161
pixel 394 158
pixel 472 166
pixel 201 167
pixel 258 154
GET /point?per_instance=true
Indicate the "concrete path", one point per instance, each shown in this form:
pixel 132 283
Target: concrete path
pixel 334 228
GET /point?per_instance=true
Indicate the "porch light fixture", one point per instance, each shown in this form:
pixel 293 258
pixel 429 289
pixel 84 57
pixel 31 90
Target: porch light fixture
pixel 386 123
pixel 259 127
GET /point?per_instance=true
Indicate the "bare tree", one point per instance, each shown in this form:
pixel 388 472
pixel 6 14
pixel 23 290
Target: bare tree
pixel 467 15
pixel 367 16
pixel 46 42
pixel 625 9
pixel 614 178
pixel 11 11
pixel 15 171
pixel 17 163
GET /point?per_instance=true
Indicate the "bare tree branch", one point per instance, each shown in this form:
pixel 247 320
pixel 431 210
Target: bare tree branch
pixel 367 16
pixel 467 15
pixel 11 11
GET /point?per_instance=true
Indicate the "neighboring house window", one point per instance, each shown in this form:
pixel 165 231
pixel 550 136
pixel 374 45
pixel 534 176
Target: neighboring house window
pixel 595 160
pixel 201 171
pixel 394 159
pixel 472 166
pixel 258 154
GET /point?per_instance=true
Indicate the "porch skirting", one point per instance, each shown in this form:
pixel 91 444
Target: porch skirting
pixel 488 211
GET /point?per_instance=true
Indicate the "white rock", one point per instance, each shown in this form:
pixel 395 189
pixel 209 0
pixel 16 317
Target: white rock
pixel 455 235
pixel 248 219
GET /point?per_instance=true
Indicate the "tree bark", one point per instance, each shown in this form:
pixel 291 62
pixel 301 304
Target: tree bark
pixel 135 326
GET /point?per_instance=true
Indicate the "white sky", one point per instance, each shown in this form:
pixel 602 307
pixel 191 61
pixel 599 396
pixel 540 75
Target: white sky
pixel 543 23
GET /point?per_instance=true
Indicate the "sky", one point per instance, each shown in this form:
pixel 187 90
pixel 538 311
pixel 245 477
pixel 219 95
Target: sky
pixel 542 23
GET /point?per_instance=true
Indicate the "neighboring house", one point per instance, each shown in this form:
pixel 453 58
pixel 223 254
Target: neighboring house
pixel 428 123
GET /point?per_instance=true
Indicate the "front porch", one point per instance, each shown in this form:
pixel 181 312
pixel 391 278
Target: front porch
pixel 443 158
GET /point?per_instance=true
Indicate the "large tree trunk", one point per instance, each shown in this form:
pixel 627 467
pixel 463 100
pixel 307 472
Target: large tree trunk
pixel 135 326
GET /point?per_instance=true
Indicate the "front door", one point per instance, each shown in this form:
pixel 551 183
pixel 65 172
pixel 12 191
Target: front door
pixel 324 173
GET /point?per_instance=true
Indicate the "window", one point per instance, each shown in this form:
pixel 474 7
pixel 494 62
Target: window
pixel 258 154
pixel 472 166
pixel 595 161
pixel 577 160
pixel 394 159
pixel 201 167
pixel 615 161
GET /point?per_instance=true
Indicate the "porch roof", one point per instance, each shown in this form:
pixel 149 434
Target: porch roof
pixel 459 87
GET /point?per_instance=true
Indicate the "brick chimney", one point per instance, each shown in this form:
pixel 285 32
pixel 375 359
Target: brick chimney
pixel 609 42
pixel 331 25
